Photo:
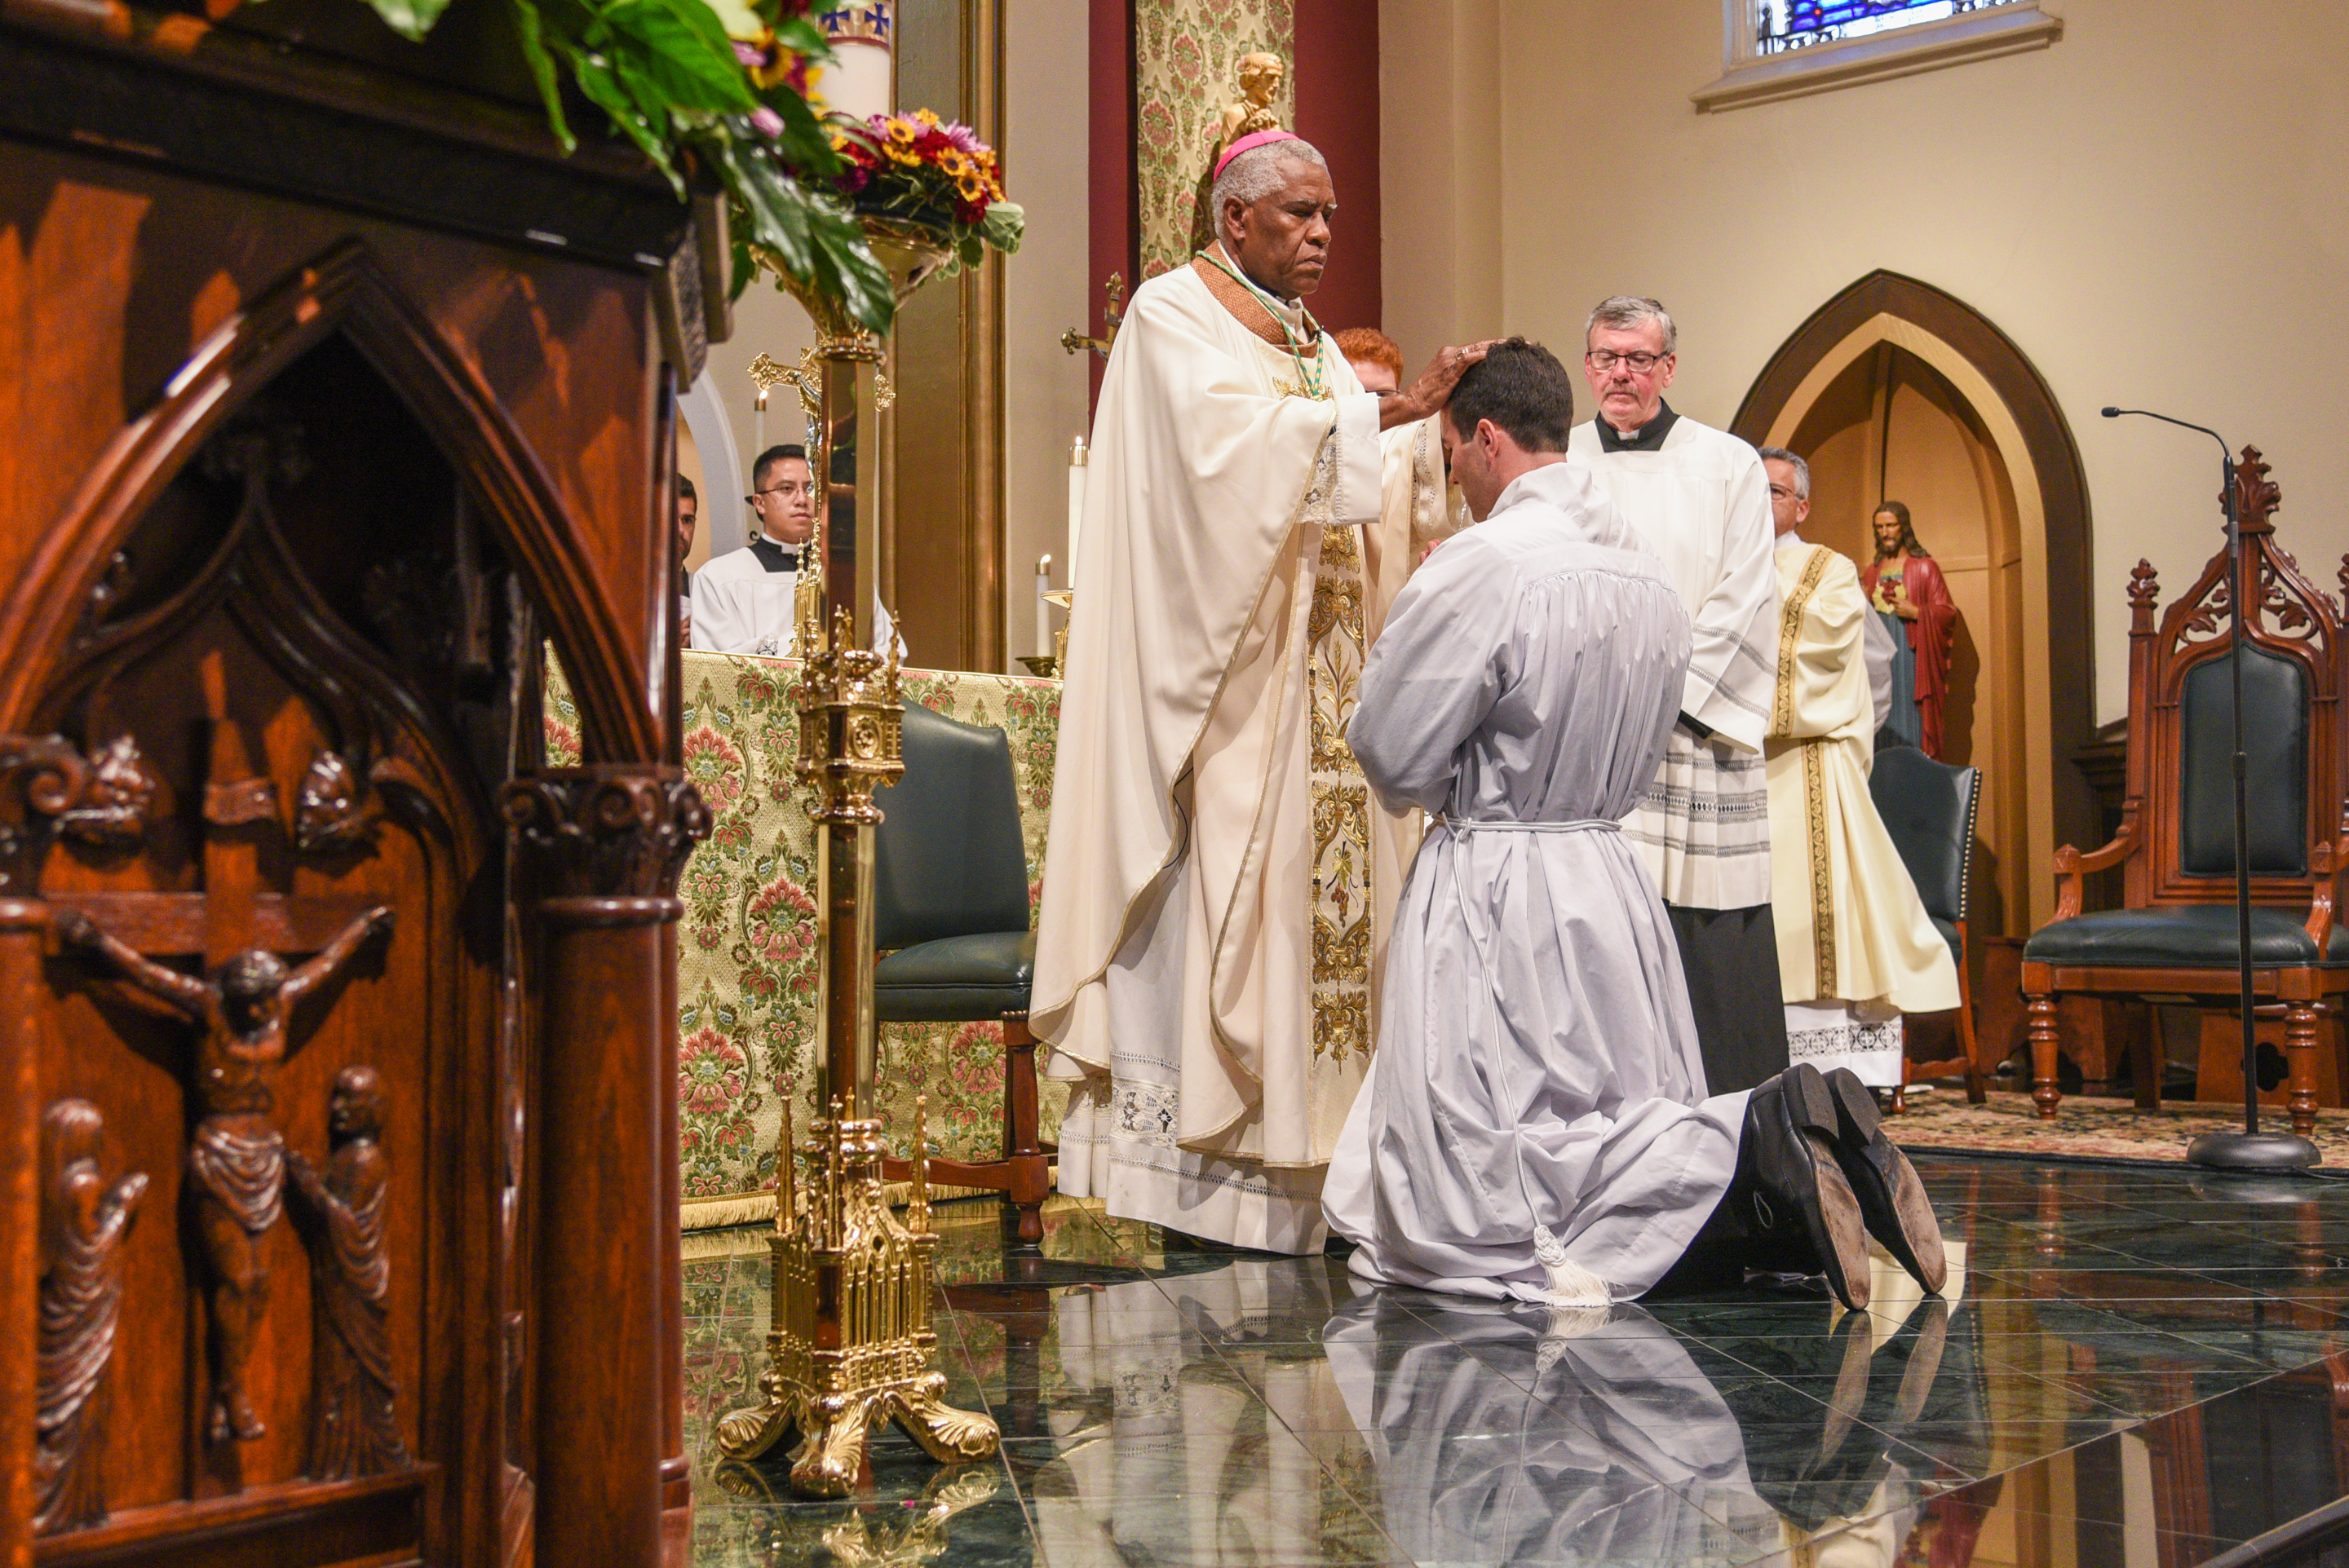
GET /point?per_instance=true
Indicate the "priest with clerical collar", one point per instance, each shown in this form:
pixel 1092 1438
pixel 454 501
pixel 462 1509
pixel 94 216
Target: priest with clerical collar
pixel 743 600
pixel 1218 877
pixel 1698 497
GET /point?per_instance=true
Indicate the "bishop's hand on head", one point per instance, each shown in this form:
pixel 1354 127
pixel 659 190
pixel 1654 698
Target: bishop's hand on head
pixel 1427 396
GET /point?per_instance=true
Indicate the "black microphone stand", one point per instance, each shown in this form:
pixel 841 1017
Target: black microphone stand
pixel 2250 1150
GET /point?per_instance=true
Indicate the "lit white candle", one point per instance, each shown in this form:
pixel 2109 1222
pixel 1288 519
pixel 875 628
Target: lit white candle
pixel 1043 610
pixel 1076 503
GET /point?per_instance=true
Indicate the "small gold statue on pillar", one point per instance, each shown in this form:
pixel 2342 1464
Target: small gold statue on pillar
pixel 1260 75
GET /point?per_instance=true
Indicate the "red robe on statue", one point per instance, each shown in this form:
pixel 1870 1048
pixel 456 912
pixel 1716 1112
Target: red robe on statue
pixel 1931 635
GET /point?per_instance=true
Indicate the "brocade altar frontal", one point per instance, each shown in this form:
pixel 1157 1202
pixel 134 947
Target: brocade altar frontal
pixel 747 951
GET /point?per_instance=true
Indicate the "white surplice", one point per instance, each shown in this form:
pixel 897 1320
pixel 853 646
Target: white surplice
pixel 739 606
pixel 1702 503
pixel 1538 1074
pixel 1855 948
pixel 1217 879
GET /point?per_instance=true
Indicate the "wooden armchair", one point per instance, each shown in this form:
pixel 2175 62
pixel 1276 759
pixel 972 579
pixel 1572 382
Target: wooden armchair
pixel 2177 935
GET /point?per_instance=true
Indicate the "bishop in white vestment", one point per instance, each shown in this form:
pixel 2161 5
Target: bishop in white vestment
pixel 1855 948
pixel 1698 497
pixel 1217 879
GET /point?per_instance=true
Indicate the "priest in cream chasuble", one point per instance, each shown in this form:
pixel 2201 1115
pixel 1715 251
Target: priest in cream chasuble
pixel 1217 877
pixel 1855 948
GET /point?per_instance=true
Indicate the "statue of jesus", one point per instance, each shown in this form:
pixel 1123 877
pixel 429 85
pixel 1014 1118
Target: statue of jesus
pixel 236 1158
pixel 1904 580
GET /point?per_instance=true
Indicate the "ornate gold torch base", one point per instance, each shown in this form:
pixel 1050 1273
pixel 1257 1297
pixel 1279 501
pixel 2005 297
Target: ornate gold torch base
pixel 850 1344
pixel 840 1246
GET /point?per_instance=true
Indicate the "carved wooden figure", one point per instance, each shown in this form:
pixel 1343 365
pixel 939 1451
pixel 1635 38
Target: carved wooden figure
pixel 353 1414
pixel 83 1220
pixel 330 813
pixel 236 1157
pixel 367 402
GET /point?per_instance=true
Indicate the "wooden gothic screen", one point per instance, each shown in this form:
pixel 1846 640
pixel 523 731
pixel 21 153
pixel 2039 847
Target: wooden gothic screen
pixel 336 1172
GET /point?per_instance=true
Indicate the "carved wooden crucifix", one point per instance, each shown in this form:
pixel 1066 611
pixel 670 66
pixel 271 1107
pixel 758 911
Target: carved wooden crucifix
pixel 239 928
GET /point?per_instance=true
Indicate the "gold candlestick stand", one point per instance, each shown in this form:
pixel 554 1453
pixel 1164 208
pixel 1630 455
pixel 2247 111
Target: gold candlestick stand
pixel 849 1344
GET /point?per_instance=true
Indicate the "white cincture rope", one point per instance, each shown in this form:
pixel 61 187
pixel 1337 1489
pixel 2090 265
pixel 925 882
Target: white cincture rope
pixel 1571 1284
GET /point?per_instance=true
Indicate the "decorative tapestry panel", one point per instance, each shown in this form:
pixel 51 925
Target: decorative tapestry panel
pixel 747 951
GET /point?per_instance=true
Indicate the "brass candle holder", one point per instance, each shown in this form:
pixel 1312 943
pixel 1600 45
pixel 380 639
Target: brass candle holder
pixel 849 1344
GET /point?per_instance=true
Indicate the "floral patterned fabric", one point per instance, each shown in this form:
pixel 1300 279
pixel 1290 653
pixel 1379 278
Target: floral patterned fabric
pixel 746 949
pixel 1186 59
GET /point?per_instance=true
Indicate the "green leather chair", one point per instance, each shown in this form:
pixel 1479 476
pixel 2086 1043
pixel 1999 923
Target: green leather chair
pixel 2176 935
pixel 950 915
pixel 1928 808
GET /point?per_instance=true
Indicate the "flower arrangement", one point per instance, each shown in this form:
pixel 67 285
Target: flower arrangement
pixel 712 91
pixel 936 174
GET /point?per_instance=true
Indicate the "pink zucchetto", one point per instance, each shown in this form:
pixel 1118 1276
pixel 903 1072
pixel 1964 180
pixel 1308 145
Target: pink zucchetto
pixel 1251 142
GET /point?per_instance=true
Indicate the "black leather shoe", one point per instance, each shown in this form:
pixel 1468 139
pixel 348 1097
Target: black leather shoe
pixel 1791 1126
pixel 1892 1200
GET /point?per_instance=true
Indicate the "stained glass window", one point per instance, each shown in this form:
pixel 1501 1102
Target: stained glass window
pixel 1783 24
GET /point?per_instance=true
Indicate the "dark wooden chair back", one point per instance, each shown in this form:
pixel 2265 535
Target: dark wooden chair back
pixel 1928 807
pixel 2176 934
pixel 2179 807
pixel 948 857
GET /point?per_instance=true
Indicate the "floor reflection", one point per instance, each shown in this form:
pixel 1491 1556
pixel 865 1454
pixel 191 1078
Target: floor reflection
pixel 2139 1369
pixel 1524 1435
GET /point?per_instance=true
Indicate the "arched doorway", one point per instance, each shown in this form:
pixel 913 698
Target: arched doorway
pixel 1896 391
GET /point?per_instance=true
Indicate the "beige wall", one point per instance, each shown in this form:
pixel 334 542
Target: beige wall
pixel 766 321
pixel 2153 210
pixel 1045 292
pixel 1439 181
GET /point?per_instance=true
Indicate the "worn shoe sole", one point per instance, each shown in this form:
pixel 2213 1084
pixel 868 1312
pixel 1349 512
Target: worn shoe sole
pixel 1838 1228
pixel 1892 1200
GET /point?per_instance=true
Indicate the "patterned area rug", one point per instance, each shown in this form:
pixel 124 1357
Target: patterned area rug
pixel 2084 1127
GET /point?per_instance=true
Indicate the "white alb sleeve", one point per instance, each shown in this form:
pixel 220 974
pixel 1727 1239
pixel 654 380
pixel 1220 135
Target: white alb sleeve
pixel 1360 481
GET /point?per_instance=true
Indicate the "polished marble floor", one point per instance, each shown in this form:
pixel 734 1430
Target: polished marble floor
pixel 2144 1368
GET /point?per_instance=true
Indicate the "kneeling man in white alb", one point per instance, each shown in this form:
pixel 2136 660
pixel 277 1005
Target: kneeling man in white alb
pixel 1535 1125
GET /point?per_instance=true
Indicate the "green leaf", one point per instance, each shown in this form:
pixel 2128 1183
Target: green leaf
pixel 805 147
pixel 528 32
pixel 777 222
pixel 746 266
pixel 643 91
pixel 694 65
pixel 411 19
pixel 812 238
pixel 1004 225
pixel 603 86
pixel 802 37
pixel 846 266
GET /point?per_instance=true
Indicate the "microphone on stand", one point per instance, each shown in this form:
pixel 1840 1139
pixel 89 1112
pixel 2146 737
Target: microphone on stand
pixel 2250 1150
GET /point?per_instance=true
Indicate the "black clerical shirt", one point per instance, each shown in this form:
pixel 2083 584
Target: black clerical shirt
pixel 1647 438
pixel 774 557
